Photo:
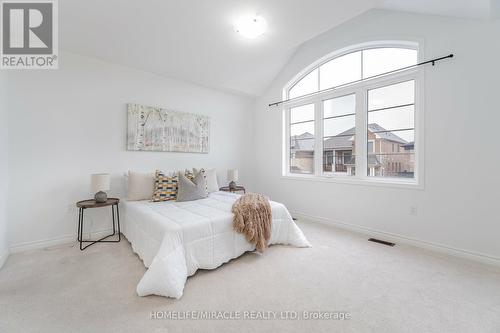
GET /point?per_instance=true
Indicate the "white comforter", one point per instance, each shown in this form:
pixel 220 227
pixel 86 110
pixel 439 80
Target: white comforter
pixel 174 239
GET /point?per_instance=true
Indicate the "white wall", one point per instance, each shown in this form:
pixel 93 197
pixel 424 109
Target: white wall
pixel 458 206
pixel 69 123
pixel 4 177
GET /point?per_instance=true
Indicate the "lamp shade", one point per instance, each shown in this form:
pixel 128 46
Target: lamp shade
pixel 99 182
pixel 232 175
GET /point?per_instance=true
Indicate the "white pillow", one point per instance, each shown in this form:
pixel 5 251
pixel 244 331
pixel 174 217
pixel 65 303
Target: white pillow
pixel 211 177
pixel 140 186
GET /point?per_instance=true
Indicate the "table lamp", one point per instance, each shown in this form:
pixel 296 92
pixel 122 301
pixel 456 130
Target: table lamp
pixel 232 177
pixel 99 184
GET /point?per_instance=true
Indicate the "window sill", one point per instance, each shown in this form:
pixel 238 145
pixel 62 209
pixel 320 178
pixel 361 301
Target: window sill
pixel 350 180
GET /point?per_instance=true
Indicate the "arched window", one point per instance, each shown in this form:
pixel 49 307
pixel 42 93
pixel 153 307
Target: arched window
pixel 352 115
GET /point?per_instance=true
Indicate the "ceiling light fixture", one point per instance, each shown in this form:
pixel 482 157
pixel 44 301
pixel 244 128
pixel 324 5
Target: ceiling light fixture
pixel 251 26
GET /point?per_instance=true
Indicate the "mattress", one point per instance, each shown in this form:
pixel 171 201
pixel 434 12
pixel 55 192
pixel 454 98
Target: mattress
pixel 174 239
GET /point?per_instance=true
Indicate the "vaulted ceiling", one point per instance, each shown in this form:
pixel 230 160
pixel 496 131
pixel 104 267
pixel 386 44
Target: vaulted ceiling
pixel 194 40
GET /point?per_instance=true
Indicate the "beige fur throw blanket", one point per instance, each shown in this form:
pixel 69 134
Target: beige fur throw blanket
pixel 253 218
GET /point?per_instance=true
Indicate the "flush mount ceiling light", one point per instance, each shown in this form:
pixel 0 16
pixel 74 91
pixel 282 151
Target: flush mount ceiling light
pixel 251 26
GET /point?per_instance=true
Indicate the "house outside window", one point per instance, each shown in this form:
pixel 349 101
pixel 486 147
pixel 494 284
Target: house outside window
pixel 360 113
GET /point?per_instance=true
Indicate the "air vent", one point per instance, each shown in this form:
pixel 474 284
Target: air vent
pixel 381 242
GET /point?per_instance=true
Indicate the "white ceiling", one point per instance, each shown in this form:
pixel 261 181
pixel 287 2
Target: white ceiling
pixel 479 9
pixel 194 40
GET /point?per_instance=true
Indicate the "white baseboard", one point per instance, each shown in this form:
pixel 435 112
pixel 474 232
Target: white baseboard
pixel 44 243
pixel 3 257
pixel 395 238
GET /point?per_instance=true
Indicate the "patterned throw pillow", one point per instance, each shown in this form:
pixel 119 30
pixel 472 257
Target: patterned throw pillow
pixel 165 188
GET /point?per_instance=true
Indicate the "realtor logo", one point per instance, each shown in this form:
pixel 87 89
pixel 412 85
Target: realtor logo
pixel 29 34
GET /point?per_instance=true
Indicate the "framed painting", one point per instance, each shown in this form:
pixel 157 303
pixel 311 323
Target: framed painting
pixel 157 129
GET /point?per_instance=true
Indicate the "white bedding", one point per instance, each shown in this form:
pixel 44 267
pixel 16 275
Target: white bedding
pixel 174 239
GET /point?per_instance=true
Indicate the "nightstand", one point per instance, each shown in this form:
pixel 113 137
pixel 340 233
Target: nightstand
pixel 237 189
pixel 86 204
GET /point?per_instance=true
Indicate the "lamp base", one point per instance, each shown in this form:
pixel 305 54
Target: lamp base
pixel 232 185
pixel 101 197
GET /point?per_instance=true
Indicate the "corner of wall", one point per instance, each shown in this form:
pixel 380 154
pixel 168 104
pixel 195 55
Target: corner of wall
pixel 4 170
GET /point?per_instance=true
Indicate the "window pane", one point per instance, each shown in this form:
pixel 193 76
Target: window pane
pixel 302 139
pixel 391 119
pixel 338 155
pixel 393 95
pixel 400 165
pixel 384 140
pixel 302 162
pixel 382 60
pixel 339 106
pixel 341 70
pixel 302 153
pixel 371 147
pixel 393 154
pixel 407 136
pixel 339 135
pixel 307 85
pixel 339 143
pixel 302 128
pixel 339 126
pixel 302 142
pixel 302 113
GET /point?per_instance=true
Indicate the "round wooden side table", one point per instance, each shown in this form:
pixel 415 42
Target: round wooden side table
pixel 86 204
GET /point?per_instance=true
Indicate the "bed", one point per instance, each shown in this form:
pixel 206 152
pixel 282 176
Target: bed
pixel 174 239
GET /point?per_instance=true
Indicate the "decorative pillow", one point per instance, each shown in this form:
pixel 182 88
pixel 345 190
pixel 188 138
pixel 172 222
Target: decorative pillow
pixel 140 185
pixel 192 190
pixel 190 174
pixel 165 187
pixel 211 176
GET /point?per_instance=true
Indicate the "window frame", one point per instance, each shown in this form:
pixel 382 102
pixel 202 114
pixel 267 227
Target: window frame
pixel 360 89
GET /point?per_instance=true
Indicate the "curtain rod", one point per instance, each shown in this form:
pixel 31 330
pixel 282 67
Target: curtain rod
pixel 432 61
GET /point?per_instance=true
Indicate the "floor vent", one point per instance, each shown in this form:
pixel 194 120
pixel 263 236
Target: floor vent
pixel 381 242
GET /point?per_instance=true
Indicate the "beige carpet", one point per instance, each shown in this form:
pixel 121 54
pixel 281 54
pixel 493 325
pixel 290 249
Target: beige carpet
pixel 400 289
